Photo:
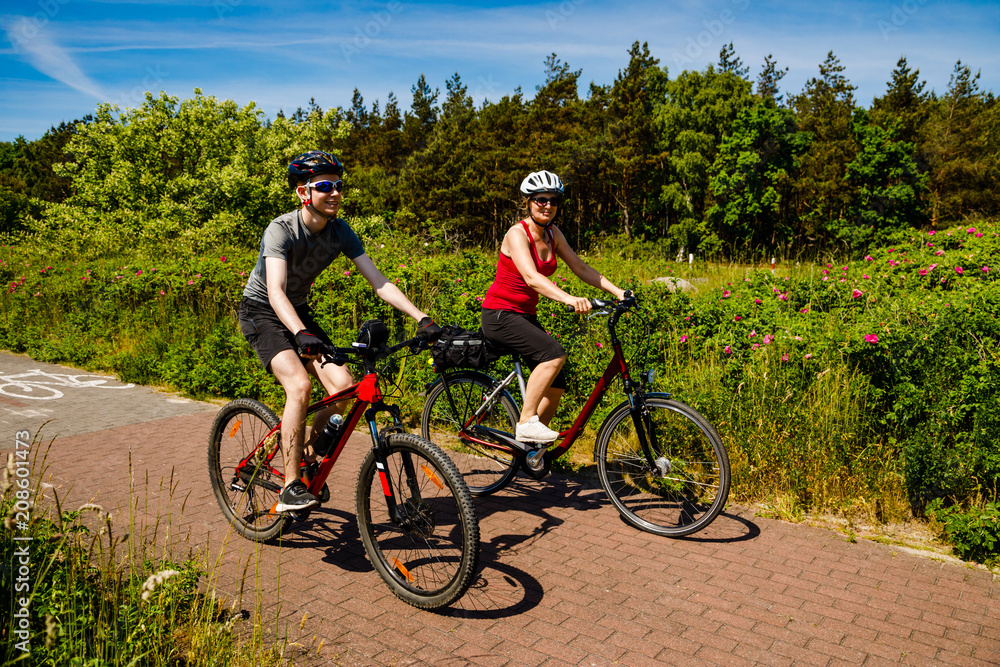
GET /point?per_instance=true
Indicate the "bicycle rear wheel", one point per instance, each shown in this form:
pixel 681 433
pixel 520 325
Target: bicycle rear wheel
pixel 246 500
pixel 687 486
pixel 485 469
pixel 427 550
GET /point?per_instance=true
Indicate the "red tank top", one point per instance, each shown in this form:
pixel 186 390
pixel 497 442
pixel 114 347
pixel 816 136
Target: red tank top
pixel 509 291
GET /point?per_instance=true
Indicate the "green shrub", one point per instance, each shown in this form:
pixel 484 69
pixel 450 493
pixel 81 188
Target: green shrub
pixel 973 533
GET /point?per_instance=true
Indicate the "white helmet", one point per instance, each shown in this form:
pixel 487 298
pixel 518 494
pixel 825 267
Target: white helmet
pixel 538 182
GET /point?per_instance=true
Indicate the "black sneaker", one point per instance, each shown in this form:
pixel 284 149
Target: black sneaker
pixel 294 497
pixel 309 470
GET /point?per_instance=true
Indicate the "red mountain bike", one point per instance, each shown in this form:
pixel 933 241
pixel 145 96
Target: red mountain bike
pixel 662 464
pixel 414 511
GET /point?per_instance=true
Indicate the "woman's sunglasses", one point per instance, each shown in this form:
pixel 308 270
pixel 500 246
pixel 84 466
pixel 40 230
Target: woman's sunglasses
pixel 326 186
pixel 546 201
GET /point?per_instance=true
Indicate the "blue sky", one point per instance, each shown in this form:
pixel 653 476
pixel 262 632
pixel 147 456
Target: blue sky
pixel 60 58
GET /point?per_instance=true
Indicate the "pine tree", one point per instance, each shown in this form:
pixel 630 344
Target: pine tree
pixel 825 109
pixel 768 80
pixel 730 62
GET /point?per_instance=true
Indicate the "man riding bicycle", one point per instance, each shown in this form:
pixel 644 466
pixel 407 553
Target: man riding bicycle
pixel 276 319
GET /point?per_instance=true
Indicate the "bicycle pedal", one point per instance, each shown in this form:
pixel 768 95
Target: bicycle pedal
pixel 536 464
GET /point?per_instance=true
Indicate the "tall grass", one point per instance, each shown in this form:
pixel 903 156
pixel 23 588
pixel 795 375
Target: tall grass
pixel 107 592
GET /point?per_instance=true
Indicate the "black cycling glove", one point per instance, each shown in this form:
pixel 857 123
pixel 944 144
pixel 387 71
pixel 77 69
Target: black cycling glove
pixel 427 330
pixel 309 344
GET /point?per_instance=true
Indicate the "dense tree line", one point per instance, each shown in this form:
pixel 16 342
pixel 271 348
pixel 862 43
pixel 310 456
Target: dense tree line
pixel 708 160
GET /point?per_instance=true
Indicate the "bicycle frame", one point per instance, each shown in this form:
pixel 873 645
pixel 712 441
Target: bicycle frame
pixel 368 402
pixel 616 366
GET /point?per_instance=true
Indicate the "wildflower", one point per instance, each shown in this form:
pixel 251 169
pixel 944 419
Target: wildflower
pixel 932 267
pixel 162 293
pixel 986 269
pixel 753 332
pixel 939 253
pixel 155 580
pixel 892 250
pixel 754 346
pixel 727 350
pixel 197 275
pixel 783 297
pixel 768 338
pixel 944 280
pixel 190 282
pixel 864 277
pixel 922 272
pixel 970 230
pixel 871 338
pixel 784 357
pixel 931 233
pixel 979 235
pixel 737 318
pixel 139 272
pixel 600 345
pixel 798 337
pixel 683 339
pixel 757 301
pixel 725 295
pixel 959 270
pixel 930 245
pixel 825 272
pixel 869 258
pixel 222 259
pixel 347 272
pixel 808 356
pixel 804 311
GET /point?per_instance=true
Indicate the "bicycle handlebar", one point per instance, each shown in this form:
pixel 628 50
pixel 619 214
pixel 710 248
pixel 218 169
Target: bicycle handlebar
pixel 627 303
pixel 341 355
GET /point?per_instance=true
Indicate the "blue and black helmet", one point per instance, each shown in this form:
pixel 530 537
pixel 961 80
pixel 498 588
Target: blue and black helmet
pixel 313 163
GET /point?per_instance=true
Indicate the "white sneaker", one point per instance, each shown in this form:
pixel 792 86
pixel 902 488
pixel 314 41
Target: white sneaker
pixel 534 431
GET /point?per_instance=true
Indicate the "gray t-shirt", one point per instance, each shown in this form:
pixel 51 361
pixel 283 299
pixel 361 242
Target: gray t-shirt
pixel 307 254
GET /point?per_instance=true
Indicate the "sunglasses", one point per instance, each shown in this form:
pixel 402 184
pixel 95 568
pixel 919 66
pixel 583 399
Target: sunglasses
pixel 327 186
pixel 547 201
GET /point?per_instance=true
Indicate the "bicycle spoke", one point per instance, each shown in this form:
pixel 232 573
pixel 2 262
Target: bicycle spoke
pixel 688 483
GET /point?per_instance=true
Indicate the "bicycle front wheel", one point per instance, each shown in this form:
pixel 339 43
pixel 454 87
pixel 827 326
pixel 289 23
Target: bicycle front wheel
pixel 426 547
pixel 246 500
pixel 688 483
pixel 486 469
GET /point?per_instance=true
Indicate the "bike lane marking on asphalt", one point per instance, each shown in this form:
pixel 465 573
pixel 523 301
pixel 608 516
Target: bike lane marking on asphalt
pixel 53 401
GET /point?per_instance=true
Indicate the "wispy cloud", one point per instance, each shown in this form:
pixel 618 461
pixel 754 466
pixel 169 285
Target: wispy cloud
pixel 35 45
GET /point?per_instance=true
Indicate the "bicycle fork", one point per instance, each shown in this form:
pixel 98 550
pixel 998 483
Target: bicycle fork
pixel 644 430
pixel 407 513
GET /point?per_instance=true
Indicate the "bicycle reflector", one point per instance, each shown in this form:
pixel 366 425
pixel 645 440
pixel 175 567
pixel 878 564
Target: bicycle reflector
pixel 648 376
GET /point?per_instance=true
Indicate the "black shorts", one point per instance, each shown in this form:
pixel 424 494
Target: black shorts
pixel 523 335
pixel 266 333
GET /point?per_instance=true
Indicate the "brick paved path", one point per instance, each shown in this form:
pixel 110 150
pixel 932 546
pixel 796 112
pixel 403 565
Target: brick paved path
pixel 563 580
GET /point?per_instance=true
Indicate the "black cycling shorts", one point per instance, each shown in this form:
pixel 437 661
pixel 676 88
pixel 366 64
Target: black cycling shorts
pixel 266 333
pixel 523 335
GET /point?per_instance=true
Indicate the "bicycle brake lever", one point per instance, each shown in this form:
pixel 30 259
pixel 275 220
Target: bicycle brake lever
pixel 594 314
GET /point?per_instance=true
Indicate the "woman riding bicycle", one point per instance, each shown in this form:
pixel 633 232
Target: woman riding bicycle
pixel 527 259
